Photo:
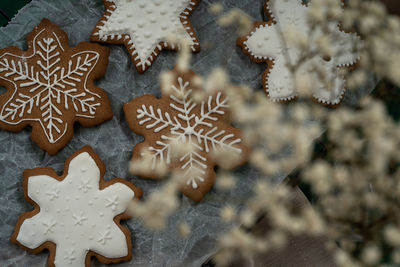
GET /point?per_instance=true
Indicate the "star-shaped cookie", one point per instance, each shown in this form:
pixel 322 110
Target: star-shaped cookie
pixel 50 86
pixel 177 119
pixel 146 26
pixel 76 216
pixel 266 43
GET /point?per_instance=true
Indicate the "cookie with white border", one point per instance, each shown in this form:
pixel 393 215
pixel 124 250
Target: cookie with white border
pixel 174 119
pixel 265 43
pixel 76 216
pixel 50 86
pixel 145 26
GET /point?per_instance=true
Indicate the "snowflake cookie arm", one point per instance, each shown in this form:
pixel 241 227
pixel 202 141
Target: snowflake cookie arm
pixel 263 45
pixel 155 120
pixel 346 47
pixel 144 27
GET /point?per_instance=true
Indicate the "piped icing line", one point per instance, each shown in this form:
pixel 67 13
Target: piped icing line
pixel 76 216
pixel 298 18
pixel 142 46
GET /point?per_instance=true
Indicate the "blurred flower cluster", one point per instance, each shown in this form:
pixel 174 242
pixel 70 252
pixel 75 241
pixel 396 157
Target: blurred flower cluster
pixel 353 176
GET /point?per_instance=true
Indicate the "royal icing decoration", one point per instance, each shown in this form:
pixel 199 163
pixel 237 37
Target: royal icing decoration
pixel 176 118
pixel 77 219
pixel 266 43
pixel 50 86
pixel 145 26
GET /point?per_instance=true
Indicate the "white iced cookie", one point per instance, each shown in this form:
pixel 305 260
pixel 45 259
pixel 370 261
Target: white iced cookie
pixel 146 27
pixel 267 43
pixel 77 215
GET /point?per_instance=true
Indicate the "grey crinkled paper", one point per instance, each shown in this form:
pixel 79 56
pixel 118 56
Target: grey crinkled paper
pixel 113 141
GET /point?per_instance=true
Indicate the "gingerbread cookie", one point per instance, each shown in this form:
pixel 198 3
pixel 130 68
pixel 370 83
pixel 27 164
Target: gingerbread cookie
pixel 265 43
pixel 50 86
pixel 145 26
pixel 76 216
pixel 176 118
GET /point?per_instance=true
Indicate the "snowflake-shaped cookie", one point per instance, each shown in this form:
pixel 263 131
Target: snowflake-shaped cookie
pixel 73 217
pixel 145 26
pixel 266 43
pixel 50 86
pixel 176 118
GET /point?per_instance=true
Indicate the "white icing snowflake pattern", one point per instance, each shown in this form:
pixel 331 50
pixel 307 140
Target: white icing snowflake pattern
pixel 69 256
pixel 144 26
pixel 266 42
pixel 113 203
pixel 176 118
pixel 48 81
pixel 104 237
pixel 79 219
pixel 85 186
pixel 49 226
pixel 83 221
pixel 54 193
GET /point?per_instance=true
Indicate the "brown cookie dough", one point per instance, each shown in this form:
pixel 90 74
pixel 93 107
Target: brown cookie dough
pixel 50 86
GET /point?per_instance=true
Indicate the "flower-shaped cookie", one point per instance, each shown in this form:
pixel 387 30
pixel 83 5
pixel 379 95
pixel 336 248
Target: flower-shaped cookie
pixel 177 119
pixel 77 215
pixel 267 43
pixel 50 86
pixel 146 27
